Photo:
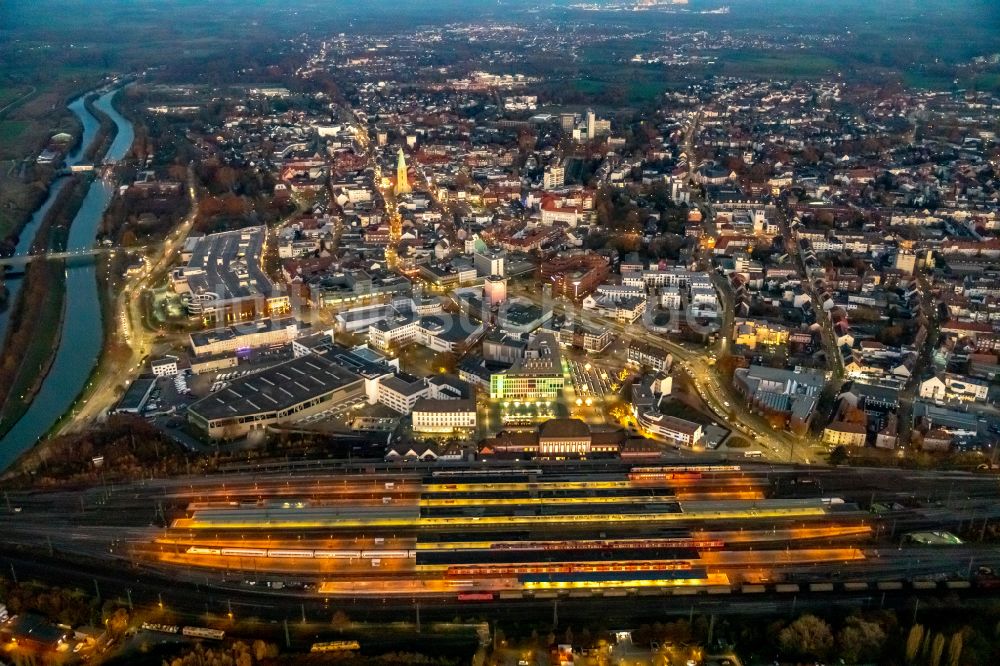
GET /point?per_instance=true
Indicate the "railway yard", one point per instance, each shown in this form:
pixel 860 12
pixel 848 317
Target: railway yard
pixel 519 533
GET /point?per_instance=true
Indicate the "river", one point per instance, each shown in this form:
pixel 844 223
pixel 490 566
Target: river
pixel 27 237
pixel 82 335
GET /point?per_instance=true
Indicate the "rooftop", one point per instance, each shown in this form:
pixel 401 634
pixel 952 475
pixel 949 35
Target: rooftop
pixel 277 388
pixel 228 264
pixel 439 406
pixel 564 429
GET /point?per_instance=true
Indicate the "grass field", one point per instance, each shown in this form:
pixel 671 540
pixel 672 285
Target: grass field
pixel 777 65
pixel 11 130
pixel 10 94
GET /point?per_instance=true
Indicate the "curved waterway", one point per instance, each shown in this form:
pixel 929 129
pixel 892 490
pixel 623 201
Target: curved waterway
pixel 82 335
pixel 27 237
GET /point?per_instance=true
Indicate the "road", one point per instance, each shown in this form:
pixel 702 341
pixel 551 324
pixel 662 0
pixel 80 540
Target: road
pixel 18 100
pixel 115 373
pixel 834 360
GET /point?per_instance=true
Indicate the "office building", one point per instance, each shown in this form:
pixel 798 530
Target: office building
pixel 437 416
pixel 537 376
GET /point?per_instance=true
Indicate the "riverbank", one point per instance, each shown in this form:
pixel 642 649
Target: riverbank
pixel 106 132
pixel 25 187
pixel 35 327
pixel 29 352
pixel 116 354
pixel 80 344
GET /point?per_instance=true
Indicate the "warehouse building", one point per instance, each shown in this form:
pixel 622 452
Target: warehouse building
pixel 286 392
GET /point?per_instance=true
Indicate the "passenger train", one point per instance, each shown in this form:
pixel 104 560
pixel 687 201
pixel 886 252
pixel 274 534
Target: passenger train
pixel 304 554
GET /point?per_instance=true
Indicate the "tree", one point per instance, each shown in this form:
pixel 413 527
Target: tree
pixel 855 415
pixel 861 640
pixel 937 649
pixel 839 455
pixel 955 649
pixel 808 637
pixel 913 640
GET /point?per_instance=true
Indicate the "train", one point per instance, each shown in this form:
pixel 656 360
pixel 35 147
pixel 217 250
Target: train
pixel 700 544
pixel 193 632
pixel 277 553
pixel 568 568
pixel 461 473
pixel 685 468
pixel 335 646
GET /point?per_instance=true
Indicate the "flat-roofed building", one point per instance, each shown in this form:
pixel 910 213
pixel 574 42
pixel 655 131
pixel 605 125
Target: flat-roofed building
pixel 401 391
pixel 432 415
pixel 490 261
pixel 581 334
pixel 679 431
pixel 790 393
pixel 165 366
pixel 223 280
pixel 954 387
pixel 447 333
pixel 393 333
pixel 519 316
pixel 358 320
pixel 136 396
pixel 289 391
pixel 504 347
pixel 537 376
pixel 249 335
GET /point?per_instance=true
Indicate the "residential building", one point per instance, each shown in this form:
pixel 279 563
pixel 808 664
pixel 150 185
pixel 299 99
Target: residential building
pixel 841 433
pixel 164 367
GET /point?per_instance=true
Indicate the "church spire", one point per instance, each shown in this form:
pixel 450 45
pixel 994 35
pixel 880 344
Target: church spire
pixel 402 178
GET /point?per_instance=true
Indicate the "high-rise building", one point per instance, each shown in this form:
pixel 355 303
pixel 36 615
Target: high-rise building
pixel 494 290
pixel 402 177
pixel 490 261
pixel 905 262
pixel 555 176
pixel 591 124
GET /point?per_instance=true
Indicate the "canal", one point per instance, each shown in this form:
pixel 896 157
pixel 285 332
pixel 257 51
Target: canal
pixel 82 335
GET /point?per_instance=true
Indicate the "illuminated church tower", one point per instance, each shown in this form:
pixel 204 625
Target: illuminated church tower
pixel 402 179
